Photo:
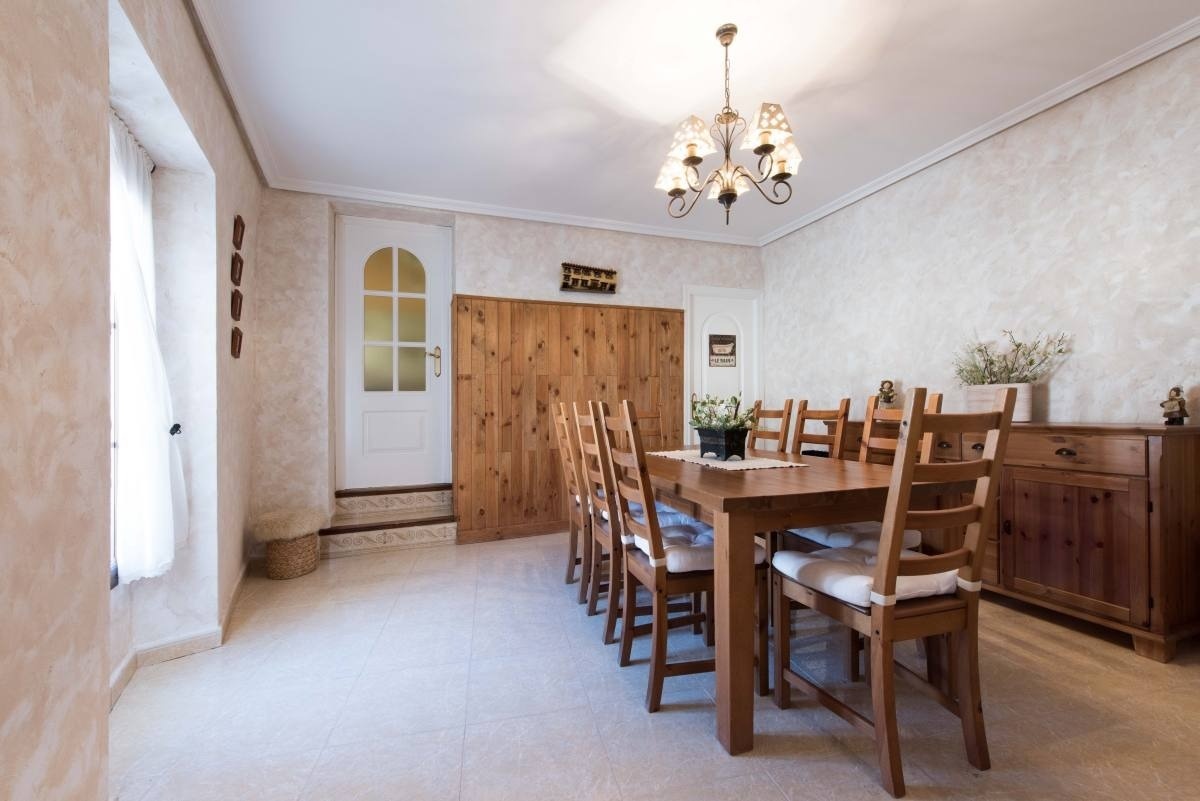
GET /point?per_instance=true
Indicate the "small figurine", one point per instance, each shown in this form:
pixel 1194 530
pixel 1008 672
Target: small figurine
pixel 887 393
pixel 1174 407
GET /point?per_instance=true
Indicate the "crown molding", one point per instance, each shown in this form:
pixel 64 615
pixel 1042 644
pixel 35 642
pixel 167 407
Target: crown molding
pixel 489 210
pixel 1089 80
pixel 212 35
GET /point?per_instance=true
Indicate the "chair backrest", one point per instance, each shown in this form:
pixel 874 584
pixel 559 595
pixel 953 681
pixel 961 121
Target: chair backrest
pixel 834 441
pixel 632 480
pixel 773 439
pixel 594 472
pixel 915 425
pixel 568 452
pixel 879 442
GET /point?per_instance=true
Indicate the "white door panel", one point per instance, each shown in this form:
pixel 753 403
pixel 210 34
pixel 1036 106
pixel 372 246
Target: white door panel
pixel 394 415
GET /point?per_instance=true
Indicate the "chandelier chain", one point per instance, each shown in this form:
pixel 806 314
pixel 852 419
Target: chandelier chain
pixel 728 107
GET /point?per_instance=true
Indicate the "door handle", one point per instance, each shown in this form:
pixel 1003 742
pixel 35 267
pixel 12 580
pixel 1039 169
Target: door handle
pixel 436 353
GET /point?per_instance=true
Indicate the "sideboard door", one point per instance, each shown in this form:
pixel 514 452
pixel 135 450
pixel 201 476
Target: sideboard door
pixel 1077 539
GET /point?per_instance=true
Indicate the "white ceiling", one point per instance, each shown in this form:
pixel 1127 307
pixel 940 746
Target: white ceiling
pixel 562 110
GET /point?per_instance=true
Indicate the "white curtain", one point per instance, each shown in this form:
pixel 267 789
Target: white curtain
pixel 149 495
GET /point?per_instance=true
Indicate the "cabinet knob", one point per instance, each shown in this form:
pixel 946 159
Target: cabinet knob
pixel 1066 453
pixel 978 446
pixel 944 445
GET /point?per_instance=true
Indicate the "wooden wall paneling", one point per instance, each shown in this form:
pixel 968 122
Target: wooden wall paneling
pixel 514 361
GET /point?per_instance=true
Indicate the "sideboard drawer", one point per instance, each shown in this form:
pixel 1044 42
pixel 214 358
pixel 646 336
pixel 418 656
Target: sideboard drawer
pixel 1095 454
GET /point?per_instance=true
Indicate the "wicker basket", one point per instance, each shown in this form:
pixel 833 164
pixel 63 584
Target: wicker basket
pixel 288 559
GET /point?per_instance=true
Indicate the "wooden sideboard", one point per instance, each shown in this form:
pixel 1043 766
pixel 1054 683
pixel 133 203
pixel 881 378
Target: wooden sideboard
pixel 1101 522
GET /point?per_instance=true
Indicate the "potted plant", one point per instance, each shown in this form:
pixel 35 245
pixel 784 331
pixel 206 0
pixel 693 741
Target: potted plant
pixel 984 367
pixel 722 426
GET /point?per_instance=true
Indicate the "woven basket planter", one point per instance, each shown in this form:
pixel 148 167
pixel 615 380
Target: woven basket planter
pixel 287 559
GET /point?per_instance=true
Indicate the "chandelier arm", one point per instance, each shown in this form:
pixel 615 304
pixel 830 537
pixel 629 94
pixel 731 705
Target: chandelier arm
pixel 695 184
pixel 769 158
pixel 678 207
pixel 778 199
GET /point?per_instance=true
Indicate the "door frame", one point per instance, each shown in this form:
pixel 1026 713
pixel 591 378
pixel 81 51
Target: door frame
pixel 337 320
pixel 690 293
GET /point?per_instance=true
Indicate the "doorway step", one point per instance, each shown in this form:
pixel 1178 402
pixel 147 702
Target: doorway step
pixel 387 518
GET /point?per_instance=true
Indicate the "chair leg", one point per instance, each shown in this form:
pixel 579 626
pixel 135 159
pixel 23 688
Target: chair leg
pixel 585 566
pixel 761 620
pixel 883 702
pixel 970 701
pixel 572 550
pixel 710 630
pixel 612 611
pixel 853 655
pixel 658 651
pixel 783 641
pixel 628 618
pixel 594 585
pixel 697 607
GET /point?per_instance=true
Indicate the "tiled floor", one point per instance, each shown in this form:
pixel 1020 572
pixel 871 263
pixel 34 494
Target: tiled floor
pixel 468 672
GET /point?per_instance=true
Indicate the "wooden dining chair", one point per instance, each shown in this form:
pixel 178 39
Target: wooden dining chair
pixel 835 442
pixel 579 520
pixel 894 595
pixel 604 546
pixel 880 436
pixel 768 438
pixel 879 441
pixel 674 559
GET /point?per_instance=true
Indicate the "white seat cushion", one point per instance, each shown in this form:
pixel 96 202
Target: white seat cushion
pixel 689 547
pixel 848 574
pixel 853 535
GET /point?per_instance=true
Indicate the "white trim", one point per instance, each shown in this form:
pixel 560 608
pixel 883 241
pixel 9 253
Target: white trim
pixel 657 562
pixel 175 647
pixel 969 586
pixel 210 20
pixel 119 679
pixel 1076 86
pixel 349 192
pixel 882 600
pixel 233 599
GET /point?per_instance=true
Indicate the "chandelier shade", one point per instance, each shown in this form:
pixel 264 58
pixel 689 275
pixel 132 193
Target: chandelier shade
pixel 692 140
pixel 771 127
pixel 672 177
pixel 787 158
pixel 770 137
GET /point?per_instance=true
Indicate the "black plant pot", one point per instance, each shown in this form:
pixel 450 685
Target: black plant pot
pixel 723 444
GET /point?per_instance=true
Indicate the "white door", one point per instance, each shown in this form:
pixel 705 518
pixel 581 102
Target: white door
pixel 721 331
pixel 394 371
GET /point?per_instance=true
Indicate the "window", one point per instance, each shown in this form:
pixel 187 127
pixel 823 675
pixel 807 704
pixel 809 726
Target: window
pixel 148 500
pixel 393 322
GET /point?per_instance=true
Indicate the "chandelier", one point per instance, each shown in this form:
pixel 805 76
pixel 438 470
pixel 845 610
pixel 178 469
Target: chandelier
pixel 770 137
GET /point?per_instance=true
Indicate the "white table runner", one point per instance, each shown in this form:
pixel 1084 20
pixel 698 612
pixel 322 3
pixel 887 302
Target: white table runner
pixel 751 463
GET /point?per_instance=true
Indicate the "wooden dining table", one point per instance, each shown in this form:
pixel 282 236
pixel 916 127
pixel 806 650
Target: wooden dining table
pixel 743 503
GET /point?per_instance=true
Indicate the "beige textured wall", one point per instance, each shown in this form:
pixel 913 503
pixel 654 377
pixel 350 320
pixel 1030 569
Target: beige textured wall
pixel 517 259
pixel 166 31
pixel 492 256
pixel 54 423
pixel 1085 218
pixel 292 306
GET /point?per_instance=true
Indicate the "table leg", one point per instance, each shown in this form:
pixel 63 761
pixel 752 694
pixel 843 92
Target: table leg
pixel 735 604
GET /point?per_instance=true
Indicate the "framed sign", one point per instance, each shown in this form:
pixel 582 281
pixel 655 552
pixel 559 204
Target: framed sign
pixel 239 231
pixel 235 269
pixel 580 278
pixel 722 350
